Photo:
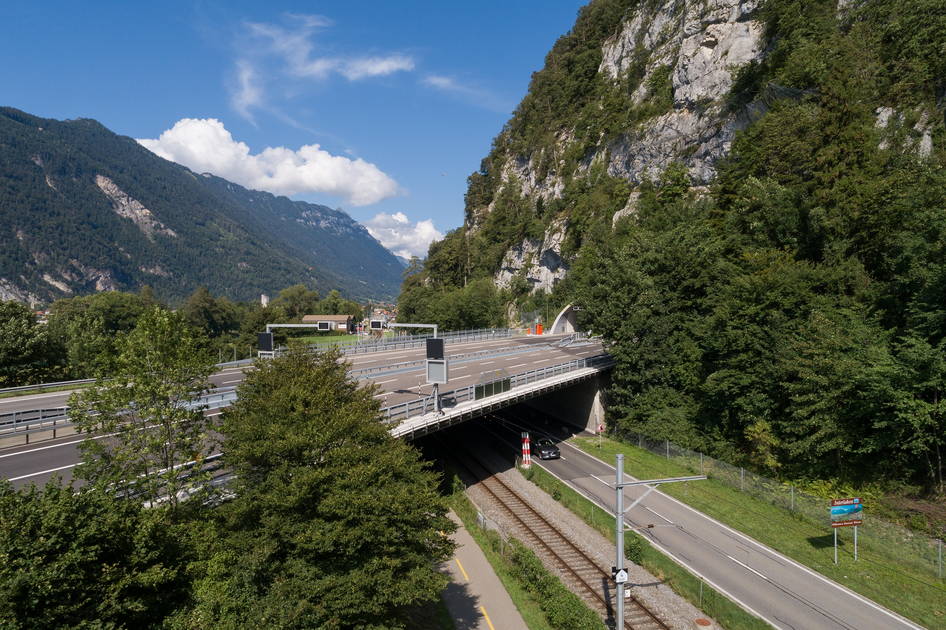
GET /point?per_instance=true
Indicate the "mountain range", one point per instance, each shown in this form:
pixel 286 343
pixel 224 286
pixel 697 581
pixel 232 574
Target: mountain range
pixel 83 209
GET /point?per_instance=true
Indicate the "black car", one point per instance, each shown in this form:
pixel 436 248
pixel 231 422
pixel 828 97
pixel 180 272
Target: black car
pixel 546 450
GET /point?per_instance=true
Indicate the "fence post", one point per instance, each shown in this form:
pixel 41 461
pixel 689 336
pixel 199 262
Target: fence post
pixel 701 463
pixel 667 442
pixel 742 479
pixel 793 496
pixel 940 559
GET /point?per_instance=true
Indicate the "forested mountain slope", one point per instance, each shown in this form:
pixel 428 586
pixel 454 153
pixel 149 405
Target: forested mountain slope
pixel 83 209
pixel 748 200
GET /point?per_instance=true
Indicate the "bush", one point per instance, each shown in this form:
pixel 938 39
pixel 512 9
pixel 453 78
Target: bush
pixel 563 609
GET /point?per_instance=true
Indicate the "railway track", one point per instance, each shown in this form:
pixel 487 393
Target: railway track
pixel 588 580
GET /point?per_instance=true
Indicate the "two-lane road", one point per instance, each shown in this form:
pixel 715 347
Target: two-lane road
pixel 776 588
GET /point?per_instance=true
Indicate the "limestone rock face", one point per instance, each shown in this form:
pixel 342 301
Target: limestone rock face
pixel 699 46
pixel 704 43
pixel 130 208
pixel 540 261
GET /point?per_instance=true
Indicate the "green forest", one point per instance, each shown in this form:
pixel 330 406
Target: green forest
pixel 792 315
pixel 81 336
pixel 59 229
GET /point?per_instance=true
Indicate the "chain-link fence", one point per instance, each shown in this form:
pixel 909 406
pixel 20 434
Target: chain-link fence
pixel 906 547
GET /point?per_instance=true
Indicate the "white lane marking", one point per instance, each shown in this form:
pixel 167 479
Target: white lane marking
pixel 383 395
pixel 42 472
pixel 517 365
pixel 487 362
pixel 15 399
pixel 97 437
pixel 390 380
pixel 653 511
pixel 761 547
pixel 539 361
pixel 660 547
pixel 239 380
pixel 43 448
pixel 746 566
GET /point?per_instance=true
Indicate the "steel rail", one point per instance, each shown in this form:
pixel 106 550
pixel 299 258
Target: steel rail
pixel 639 617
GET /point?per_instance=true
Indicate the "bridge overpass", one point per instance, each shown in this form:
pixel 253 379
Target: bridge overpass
pixel 560 377
pixel 488 370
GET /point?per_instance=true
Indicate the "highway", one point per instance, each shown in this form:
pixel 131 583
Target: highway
pixel 36 462
pixel 774 587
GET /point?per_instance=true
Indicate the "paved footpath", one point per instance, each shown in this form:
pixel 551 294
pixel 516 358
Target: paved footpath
pixel 475 597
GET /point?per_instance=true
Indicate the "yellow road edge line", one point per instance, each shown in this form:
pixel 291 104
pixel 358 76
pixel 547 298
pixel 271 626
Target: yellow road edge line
pixel 488 622
pixel 462 570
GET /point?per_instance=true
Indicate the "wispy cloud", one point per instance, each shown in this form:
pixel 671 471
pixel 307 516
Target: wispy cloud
pixel 247 93
pixel 355 69
pixel 469 94
pixel 287 52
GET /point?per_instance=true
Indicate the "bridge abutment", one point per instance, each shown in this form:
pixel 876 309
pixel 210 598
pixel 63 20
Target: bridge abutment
pixel 582 404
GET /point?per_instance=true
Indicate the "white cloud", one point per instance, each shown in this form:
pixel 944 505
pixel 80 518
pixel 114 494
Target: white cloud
pixel 397 233
pixel 472 95
pixel 205 145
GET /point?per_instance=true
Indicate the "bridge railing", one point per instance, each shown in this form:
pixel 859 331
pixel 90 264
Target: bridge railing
pixel 30 422
pixel 415 341
pixel 425 405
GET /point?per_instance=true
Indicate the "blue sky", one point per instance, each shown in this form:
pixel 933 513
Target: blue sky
pixel 402 98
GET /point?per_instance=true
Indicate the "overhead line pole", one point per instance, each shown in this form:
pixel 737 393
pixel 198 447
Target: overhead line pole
pixel 618 572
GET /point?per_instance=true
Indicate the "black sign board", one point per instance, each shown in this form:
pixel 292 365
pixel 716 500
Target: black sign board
pixel 435 348
pixel 265 342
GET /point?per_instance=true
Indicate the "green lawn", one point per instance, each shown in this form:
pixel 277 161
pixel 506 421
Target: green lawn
pixel 914 594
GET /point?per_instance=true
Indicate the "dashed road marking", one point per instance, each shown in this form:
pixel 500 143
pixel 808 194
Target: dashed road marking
pixel 462 570
pixel 485 616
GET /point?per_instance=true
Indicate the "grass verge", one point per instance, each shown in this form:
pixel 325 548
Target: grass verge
pixel 726 612
pixel 500 555
pixel 916 596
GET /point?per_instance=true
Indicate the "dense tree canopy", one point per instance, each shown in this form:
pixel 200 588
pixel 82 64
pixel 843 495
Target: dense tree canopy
pixel 85 559
pixel 159 368
pixel 334 523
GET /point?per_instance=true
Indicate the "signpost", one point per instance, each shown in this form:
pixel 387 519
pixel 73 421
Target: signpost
pixel 846 513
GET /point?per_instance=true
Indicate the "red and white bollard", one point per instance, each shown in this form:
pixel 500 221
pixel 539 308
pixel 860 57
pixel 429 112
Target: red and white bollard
pixel 526 451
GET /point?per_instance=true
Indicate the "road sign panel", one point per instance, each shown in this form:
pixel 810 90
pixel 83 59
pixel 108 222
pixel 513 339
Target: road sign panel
pixel 620 577
pixel 437 371
pixel 846 512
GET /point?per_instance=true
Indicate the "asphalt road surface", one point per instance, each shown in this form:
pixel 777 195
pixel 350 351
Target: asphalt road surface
pixel 38 461
pixel 774 587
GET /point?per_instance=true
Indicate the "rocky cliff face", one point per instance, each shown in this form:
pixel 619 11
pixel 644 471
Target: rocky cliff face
pixel 703 44
pixel 676 60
